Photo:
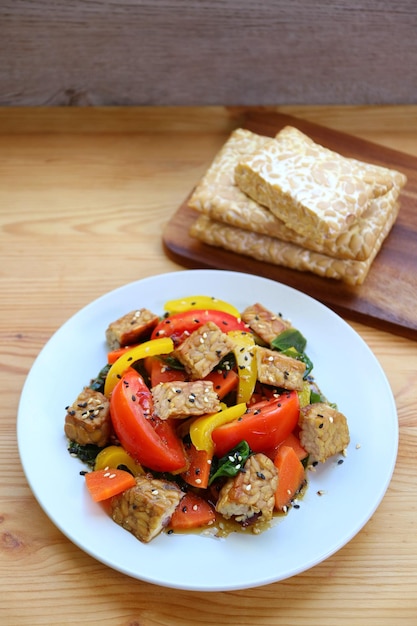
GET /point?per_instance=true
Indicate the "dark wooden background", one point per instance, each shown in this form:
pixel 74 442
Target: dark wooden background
pixel 230 52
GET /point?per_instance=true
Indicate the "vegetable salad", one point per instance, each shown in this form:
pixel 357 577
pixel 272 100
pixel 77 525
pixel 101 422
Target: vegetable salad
pixel 204 417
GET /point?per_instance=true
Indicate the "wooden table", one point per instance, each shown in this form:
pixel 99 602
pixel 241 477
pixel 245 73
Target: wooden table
pixel 84 195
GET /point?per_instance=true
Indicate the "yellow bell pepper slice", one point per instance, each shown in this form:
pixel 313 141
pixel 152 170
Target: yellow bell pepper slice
pixel 200 303
pixel 304 394
pixel 202 427
pixel 164 345
pixel 114 457
pixel 244 352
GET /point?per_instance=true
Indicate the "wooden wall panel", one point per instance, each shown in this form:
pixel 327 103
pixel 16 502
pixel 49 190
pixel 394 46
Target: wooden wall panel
pixel 233 52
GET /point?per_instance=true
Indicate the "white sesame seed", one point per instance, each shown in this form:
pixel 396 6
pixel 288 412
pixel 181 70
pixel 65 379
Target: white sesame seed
pixel 112 476
pixel 107 474
pixel 358 445
pixel 155 492
pixel 195 507
pixel 198 481
pixel 248 487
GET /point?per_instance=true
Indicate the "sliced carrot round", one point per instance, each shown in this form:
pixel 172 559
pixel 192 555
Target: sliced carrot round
pixel 106 483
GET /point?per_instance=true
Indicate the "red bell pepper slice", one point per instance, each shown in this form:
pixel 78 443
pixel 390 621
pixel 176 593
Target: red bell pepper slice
pixel 264 425
pixel 181 325
pixel 148 439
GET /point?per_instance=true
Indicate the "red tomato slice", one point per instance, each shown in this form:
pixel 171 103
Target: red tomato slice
pixel 264 425
pixel 148 439
pixel 181 325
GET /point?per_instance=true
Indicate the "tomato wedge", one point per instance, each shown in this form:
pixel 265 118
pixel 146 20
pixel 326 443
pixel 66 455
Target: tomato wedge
pixel 264 425
pixel 180 325
pixel 149 440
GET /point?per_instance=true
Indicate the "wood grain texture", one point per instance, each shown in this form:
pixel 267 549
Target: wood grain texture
pixel 387 298
pixel 84 196
pixel 182 52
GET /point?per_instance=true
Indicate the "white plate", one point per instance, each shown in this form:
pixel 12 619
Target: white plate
pixel 344 367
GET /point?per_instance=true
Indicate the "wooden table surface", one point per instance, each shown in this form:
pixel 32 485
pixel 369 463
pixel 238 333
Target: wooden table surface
pixel 84 195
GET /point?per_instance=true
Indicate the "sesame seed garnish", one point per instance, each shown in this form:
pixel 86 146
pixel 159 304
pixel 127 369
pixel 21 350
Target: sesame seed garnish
pixel 358 445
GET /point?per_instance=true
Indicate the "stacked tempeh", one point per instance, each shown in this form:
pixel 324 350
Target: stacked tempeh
pixel 291 202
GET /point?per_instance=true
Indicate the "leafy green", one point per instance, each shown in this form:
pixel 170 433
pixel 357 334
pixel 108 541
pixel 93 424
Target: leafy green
pixel 171 362
pixel 290 338
pixel 87 453
pixel 232 463
pixel 97 383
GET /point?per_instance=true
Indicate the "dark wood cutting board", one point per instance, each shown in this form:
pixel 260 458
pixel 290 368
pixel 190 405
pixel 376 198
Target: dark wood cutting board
pixel 388 297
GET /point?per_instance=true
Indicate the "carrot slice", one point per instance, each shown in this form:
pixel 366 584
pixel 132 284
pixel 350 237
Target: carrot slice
pixel 192 512
pixel 105 483
pixel 198 471
pixel 291 476
pixel 294 442
pixel 224 381
pixel 113 355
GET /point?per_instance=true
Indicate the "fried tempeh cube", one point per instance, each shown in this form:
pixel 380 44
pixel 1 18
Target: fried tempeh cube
pixel 323 431
pixel 250 494
pixel 88 419
pixel 130 328
pixel 203 350
pixel 179 399
pixel 146 509
pixel 263 322
pixel 279 370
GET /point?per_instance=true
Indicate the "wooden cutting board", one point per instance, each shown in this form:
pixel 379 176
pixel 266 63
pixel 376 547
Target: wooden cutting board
pixel 388 297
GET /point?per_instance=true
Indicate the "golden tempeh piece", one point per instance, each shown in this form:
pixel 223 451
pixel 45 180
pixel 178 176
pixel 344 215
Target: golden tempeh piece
pixel 279 370
pixel 277 252
pixel 310 187
pixel 217 196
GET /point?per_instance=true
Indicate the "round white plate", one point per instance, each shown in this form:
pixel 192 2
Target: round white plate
pixel 344 367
